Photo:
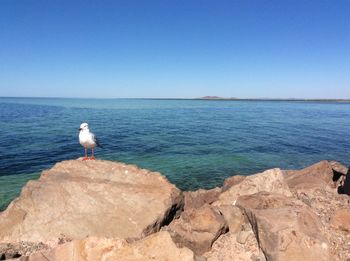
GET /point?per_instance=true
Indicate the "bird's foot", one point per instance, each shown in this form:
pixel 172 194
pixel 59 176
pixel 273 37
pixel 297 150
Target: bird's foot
pixel 92 158
pixel 86 158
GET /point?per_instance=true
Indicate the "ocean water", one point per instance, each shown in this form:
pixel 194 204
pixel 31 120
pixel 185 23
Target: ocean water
pixel 195 143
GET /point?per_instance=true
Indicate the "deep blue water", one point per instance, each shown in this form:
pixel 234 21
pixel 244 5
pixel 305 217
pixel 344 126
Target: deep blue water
pixel 195 143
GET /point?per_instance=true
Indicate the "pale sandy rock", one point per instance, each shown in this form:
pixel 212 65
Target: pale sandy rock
pixel 197 229
pixel 286 229
pixel 196 199
pixel 75 199
pixel 270 180
pixel 158 246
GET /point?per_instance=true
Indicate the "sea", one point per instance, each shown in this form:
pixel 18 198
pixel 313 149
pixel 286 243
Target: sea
pixel 194 143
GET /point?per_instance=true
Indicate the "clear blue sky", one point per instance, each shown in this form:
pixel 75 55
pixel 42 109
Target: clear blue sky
pixel 276 49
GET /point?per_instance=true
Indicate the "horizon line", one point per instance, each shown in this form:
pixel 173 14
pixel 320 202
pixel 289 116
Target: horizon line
pixel 205 98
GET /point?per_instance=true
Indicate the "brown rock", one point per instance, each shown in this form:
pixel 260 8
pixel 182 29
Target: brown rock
pixel 231 181
pixel 317 176
pixel 197 229
pixel 77 198
pixel 285 228
pixel 341 220
pixel 270 180
pixel 158 246
pixel 196 199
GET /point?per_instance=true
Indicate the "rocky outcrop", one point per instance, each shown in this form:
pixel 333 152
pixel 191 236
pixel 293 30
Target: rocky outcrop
pixel 76 199
pixel 158 246
pixel 110 209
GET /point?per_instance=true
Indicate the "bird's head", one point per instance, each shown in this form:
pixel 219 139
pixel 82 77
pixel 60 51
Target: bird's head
pixel 84 126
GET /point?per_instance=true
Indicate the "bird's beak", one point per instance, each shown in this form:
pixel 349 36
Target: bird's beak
pixel 79 129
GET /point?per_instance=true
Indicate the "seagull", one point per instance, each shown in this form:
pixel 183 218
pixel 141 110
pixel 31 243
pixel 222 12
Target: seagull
pixel 88 140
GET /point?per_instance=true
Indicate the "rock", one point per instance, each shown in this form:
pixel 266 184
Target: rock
pixel 196 199
pixel 233 216
pixel 338 167
pixel 158 246
pixel 270 180
pixel 231 181
pixel 197 229
pixel 286 229
pixel 317 176
pixel 76 199
pixel 341 220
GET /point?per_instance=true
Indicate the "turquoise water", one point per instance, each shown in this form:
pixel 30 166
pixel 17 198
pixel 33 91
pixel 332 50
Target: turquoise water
pixel 195 143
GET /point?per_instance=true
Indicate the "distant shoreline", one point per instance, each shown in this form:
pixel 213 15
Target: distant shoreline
pixel 206 98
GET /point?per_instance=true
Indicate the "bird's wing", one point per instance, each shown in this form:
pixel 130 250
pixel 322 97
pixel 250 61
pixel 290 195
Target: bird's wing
pixel 96 140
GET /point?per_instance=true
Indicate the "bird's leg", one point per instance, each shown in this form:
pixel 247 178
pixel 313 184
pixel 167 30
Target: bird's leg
pixel 86 156
pixel 92 154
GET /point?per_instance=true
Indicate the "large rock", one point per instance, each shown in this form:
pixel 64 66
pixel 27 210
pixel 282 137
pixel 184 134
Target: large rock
pixel 76 199
pixel 200 197
pixel 317 176
pixel 270 180
pixel 197 229
pixel 286 229
pixel 158 246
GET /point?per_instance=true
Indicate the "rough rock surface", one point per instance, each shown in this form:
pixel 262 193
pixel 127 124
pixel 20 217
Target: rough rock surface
pixel 285 228
pixel 197 229
pixel 270 180
pixel 75 199
pixel 158 246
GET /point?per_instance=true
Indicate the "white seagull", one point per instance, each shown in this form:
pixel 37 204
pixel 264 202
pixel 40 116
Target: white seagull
pixel 88 140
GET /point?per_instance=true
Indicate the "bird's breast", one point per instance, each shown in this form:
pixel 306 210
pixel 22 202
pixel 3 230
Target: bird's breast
pixel 85 140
